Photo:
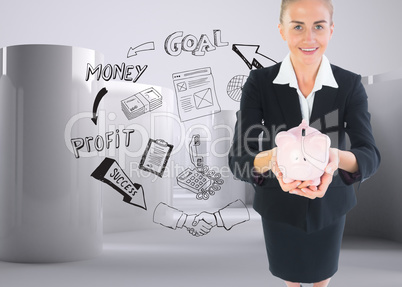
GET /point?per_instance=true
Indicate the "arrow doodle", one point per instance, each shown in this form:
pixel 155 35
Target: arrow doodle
pixel 110 172
pixel 98 98
pixel 141 48
pixel 249 54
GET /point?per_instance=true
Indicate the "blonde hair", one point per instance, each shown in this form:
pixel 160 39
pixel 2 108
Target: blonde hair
pixel 286 3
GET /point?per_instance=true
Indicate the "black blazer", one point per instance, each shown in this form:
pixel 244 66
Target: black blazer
pixel 267 108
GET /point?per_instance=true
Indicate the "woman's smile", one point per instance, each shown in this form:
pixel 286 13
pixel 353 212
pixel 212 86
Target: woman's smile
pixel 308 51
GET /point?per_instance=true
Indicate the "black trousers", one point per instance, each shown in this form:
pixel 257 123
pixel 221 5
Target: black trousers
pixel 297 256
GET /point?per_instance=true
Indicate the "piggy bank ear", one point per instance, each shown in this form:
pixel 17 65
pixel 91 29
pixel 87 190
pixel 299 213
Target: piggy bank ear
pixel 316 146
pixel 284 137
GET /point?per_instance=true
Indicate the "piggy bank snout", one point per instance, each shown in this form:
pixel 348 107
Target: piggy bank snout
pixel 301 171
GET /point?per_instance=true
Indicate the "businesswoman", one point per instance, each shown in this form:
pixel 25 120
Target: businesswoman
pixel 303 224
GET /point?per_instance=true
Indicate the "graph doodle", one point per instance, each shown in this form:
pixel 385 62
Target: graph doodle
pixel 235 87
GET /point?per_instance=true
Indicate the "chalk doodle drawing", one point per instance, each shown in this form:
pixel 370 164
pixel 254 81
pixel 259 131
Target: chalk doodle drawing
pixel 156 156
pixel 235 86
pixel 109 72
pixel 195 94
pixel 175 43
pixel 250 55
pixel 112 174
pixel 97 100
pixel 201 224
pixel 148 46
pixel 200 180
pixel 141 103
pixel 100 142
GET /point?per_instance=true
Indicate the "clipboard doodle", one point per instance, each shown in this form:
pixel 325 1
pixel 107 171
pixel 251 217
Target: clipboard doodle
pixel 156 156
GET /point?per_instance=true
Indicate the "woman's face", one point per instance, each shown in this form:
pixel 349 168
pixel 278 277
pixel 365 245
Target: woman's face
pixel 307 28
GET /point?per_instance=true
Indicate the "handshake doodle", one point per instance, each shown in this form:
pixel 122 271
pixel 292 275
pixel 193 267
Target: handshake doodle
pixel 202 223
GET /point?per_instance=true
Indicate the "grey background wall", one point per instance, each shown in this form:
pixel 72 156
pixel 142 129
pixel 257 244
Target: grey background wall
pixel 366 40
pixel 379 212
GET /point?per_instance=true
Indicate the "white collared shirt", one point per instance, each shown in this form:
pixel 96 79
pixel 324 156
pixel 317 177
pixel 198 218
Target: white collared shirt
pixel 325 77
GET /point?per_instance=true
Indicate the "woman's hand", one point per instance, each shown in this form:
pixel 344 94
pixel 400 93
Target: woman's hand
pixel 305 188
pixel 293 186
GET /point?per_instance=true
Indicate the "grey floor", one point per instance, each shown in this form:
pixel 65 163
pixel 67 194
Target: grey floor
pixel 164 257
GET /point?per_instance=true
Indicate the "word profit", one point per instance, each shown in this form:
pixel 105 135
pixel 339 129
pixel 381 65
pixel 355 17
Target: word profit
pixel 99 143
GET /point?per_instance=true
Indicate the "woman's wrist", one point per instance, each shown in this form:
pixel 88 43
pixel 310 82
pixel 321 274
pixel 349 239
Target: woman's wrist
pixel 347 161
pixel 263 161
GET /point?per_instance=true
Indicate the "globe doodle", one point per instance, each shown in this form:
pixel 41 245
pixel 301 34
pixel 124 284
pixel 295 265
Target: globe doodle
pixel 235 86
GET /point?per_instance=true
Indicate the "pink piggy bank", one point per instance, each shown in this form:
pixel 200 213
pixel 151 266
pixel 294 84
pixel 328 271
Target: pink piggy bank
pixel 302 153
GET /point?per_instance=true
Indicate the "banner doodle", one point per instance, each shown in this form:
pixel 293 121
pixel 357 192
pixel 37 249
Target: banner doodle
pixel 111 173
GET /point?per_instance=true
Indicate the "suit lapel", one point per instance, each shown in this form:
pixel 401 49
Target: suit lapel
pixel 324 103
pixel 289 105
pixel 288 99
